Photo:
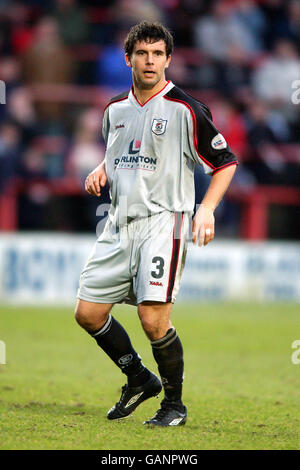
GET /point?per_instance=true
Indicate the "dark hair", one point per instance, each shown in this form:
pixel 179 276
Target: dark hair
pixel 148 32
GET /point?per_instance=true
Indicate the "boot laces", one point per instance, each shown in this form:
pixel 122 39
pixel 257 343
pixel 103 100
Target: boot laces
pixel 124 389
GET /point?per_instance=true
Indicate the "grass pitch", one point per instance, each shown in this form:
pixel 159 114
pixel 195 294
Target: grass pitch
pixel 241 388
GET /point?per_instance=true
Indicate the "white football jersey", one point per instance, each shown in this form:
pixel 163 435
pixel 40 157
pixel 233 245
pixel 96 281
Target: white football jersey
pixel 152 149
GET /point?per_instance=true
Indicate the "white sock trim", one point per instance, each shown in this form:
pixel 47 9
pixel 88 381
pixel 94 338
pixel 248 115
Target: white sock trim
pixel 104 329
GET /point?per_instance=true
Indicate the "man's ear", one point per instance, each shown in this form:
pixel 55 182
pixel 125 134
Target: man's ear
pixel 128 60
pixel 168 61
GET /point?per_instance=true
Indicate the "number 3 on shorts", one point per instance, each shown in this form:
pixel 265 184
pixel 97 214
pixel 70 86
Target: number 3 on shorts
pixel 159 266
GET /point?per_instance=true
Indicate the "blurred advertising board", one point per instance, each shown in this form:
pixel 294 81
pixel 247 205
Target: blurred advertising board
pixel 45 268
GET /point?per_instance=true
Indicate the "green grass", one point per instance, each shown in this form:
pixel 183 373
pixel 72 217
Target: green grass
pixel 241 388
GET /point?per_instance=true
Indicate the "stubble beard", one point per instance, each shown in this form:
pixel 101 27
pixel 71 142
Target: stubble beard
pixel 143 85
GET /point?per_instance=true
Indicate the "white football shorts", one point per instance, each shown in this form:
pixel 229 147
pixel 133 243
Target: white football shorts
pixel 142 261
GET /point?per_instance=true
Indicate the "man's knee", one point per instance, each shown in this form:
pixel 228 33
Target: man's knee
pixel 91 316
pixel 155 319
pixel 153 330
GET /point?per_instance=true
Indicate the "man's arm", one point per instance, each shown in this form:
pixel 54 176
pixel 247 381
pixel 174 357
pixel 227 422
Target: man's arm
pixel 96 180
pixel 204 220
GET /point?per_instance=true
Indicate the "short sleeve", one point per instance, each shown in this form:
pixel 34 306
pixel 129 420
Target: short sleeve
pixel 208 146
pixel 105 125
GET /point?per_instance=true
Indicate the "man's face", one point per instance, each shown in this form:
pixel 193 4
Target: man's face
pixel 148 62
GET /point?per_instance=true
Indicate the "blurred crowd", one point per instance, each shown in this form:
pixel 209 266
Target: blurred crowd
pixel 61 60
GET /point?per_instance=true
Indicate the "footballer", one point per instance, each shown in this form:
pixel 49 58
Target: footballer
pixel 155 134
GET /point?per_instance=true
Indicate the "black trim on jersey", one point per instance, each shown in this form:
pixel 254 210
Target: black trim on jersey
pixel 204 131
pixel 120 97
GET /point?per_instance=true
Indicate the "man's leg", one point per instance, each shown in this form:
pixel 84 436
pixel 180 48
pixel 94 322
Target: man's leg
pixel 95 318
pixel 168 353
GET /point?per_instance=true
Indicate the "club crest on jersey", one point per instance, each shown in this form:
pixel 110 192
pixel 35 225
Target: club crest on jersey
pixel 159 126
pixel 218 142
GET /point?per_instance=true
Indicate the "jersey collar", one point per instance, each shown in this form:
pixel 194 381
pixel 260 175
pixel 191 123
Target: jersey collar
pixel 168 86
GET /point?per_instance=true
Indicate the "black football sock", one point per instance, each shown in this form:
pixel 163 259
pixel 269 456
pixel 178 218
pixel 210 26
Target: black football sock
pixel 168 354
pixel 115 342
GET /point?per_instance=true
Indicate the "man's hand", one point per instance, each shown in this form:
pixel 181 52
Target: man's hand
pixel 96 180
pixel 203 225
pixel 204 221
